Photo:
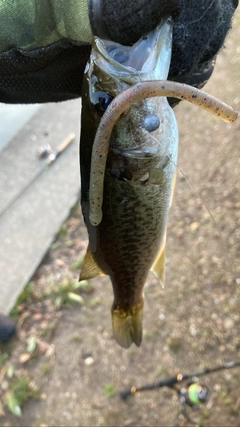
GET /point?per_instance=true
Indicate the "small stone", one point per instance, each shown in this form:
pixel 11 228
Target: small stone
pixel 228 376
pixel 193 330
pixel 43 396
pixel 217 387
pixel 194 226
pixel 66 415
pixel 89 361
pixel 228 323
pixel 4 385
pixel 59 262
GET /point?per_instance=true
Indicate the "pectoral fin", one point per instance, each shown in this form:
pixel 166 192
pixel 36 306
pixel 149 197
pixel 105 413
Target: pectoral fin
pixel 90 268
pixel 156 176
pixel 158 267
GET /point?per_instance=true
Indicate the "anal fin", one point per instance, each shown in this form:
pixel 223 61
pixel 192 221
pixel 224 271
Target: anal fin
pixel 89 268
pixel 127 325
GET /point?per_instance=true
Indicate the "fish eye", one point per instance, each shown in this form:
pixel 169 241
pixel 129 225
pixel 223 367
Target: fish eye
pixel 101 101
pixel 151 123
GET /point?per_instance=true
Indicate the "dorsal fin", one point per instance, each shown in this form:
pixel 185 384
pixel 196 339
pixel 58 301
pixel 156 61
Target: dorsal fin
pixel 89 268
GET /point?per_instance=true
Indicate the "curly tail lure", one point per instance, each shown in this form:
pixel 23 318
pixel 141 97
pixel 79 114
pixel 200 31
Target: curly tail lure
pixel 136 93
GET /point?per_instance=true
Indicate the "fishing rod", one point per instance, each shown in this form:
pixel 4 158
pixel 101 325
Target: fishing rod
pixel 177 379
pixel 191 394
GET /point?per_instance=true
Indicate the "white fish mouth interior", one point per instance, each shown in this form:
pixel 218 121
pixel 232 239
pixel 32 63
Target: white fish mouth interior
pixel 147 59
pixel 136 56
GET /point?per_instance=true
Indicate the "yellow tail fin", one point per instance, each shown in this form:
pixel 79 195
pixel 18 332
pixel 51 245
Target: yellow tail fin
pixel 127 326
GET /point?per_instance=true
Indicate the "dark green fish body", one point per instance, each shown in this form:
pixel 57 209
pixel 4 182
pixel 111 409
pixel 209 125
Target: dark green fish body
pixel 139 177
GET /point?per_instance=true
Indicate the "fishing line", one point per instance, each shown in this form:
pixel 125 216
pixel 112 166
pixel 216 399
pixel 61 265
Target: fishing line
pixel 204 204
pixel 199 19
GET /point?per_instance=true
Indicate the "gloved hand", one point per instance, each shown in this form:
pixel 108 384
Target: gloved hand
pixel 200 27
pixel 44 45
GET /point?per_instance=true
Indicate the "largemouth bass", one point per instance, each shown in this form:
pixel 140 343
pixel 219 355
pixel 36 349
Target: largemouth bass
pixel 138 183
pixel 126 206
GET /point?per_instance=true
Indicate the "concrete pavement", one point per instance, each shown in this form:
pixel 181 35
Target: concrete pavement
pixel 33 205
pixel 12 118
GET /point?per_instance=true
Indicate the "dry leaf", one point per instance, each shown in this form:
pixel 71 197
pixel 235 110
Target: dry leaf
pixel 43 396
pixel 38 316
pixel 2 413
pixel 51 351
pixel 43 345
pixel 194 226
pixel 24 357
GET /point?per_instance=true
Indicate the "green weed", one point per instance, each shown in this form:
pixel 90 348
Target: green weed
pixel 76 266
pixel 46 368
pixel 3 359
pixel 110 390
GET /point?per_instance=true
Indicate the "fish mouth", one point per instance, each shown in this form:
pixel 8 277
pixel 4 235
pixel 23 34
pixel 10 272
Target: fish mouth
pixel 147 59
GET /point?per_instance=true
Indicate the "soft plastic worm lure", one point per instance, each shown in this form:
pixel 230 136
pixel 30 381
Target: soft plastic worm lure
pixel 137 93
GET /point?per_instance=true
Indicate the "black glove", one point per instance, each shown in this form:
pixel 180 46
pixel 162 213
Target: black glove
pixel 42 59
pixel 200 27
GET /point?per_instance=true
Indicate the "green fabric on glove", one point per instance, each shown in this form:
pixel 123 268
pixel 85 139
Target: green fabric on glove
pixel 31 24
